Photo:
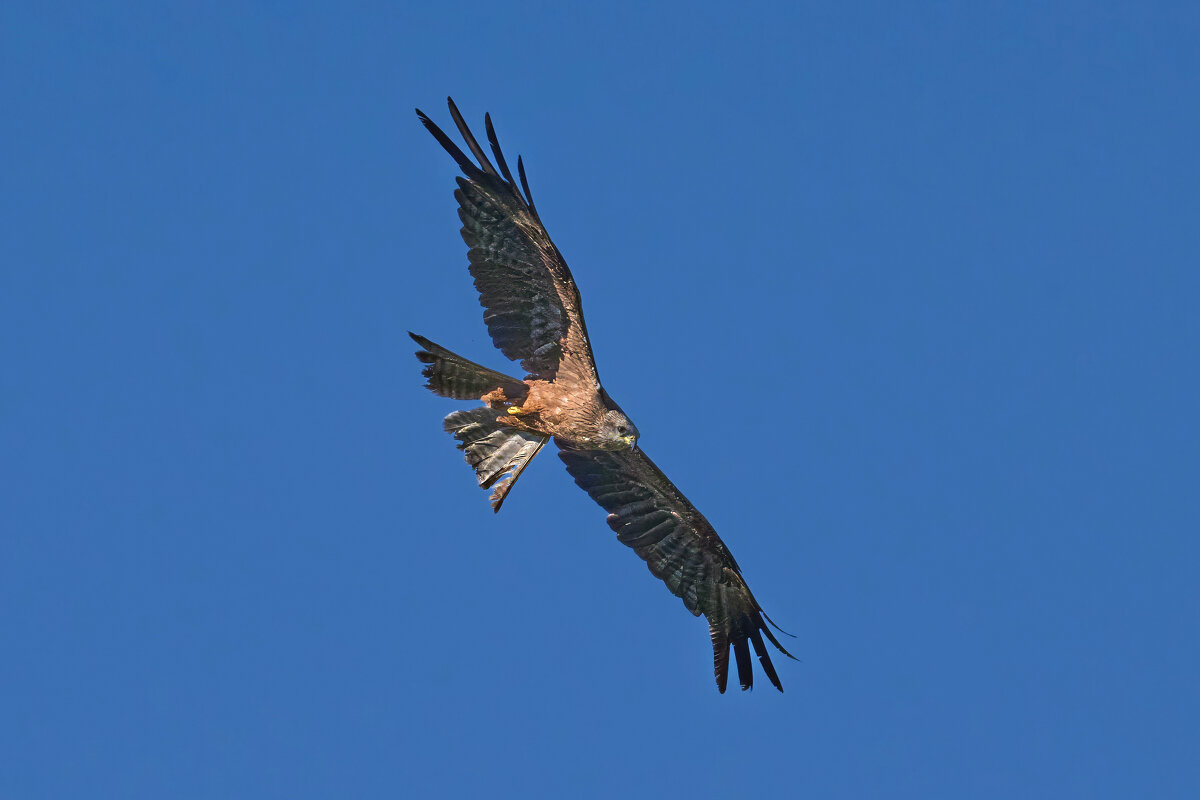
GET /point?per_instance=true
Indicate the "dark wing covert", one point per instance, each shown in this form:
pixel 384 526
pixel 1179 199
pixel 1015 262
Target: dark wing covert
pixel 681 548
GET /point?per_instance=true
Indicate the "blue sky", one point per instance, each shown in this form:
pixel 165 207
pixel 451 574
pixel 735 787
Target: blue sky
pixel 904 299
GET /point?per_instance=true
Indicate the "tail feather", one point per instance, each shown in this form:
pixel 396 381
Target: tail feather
pixel 513 471
pixel 498 453
pixel 455 377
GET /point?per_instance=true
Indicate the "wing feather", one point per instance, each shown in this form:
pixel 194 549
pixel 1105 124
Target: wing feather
pixel 469 138
pixel 680 548
pixel 741 652
pixel 496 151
pixel 531 304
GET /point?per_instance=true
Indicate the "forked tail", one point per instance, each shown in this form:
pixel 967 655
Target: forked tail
pixel 498 453
pixel 455 377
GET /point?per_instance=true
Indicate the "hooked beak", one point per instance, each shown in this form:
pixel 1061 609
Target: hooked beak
pixel 631 441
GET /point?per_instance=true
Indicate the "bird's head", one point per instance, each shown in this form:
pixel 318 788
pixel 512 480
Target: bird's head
pixel 617 431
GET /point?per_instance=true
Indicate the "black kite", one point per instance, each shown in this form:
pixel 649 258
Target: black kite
pixel 533 313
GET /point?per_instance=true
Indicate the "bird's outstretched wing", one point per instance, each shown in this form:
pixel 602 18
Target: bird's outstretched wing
pixel 531 306
pixel 679 545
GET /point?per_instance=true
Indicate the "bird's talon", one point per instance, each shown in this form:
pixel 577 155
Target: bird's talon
pixel 514 410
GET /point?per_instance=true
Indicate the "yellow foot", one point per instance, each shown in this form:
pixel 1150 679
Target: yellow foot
pixel 514 410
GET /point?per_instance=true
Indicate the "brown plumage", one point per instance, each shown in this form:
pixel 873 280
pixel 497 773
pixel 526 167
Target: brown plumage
pixel 534 315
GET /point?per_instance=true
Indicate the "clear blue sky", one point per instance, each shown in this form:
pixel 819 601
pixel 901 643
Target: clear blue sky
pixel 904 299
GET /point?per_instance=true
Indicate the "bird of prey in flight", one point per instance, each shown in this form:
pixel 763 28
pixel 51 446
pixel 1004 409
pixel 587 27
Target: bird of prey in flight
pixel 533 313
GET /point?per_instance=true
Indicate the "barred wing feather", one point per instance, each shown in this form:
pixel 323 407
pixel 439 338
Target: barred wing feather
pixel 681 548
pixel 531 304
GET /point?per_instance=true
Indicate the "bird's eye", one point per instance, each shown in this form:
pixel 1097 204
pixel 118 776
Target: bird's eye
pixel 621 429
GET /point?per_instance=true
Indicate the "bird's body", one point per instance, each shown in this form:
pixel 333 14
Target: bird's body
pixel 547 407
pixel 534 314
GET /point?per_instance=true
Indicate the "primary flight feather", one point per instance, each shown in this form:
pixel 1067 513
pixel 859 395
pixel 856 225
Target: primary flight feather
pixel 534 315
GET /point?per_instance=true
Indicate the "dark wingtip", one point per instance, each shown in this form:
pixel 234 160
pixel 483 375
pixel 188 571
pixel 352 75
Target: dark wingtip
pixel 464 131
pixel 494 141
pixel 741 654
pixel 448 144
pixel 776 627
pixel 525 186
pixel 720 656
pixel 775 642
pixel 764 658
